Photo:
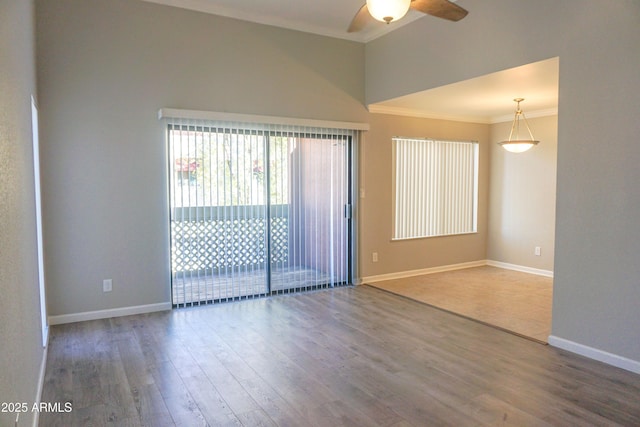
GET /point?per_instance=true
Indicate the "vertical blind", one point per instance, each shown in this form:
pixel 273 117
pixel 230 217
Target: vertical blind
pixel 436 187
pixel 257 209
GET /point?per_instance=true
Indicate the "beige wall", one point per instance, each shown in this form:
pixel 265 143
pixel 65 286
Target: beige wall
pixel 597 235
pixel 105 68
pixel 522 197
pixel 376 207
pixel 21 349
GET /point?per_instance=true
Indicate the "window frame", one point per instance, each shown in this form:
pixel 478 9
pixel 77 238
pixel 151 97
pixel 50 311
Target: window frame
pixel 472 205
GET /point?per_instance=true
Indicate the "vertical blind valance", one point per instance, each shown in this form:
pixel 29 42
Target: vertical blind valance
pixel 256 121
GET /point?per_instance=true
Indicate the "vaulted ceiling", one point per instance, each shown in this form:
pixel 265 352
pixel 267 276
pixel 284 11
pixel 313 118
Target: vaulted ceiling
pixel 324 17
pixel 486 99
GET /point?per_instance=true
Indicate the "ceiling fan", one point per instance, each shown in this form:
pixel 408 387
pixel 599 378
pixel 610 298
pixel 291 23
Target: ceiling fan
pixel 388 11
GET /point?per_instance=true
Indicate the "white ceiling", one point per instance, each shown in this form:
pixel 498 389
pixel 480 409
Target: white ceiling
pixel 324 17
pixel 486 99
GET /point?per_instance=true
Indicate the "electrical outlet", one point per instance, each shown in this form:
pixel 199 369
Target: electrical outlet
pixel 537 251
pixel 374 257
pixel 107 285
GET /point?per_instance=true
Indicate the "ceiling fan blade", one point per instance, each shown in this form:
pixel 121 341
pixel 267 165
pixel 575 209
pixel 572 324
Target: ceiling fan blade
pixel 440 8
pixel 361 19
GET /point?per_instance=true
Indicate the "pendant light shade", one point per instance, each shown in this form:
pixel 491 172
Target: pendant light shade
pixel 515 144
pixel 388 10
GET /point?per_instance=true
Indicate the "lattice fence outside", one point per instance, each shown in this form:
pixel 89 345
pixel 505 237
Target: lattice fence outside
pixel 218 244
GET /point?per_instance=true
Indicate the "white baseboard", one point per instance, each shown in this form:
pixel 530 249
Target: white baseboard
pixel 522 268
pixel 596 354
pixel 43 370
pixel 105 314
pixel 431 270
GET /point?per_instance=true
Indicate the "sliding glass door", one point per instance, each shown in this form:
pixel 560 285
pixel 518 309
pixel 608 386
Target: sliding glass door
pixel 256 211
pixel 317 209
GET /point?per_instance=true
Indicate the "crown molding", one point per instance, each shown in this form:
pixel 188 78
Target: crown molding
pixel 411 112
pixel 529 114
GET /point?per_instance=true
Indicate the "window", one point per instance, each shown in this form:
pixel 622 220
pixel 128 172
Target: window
pixel 436 187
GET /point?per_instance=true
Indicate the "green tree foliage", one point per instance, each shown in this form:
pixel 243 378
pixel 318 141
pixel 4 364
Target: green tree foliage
pixel 228 169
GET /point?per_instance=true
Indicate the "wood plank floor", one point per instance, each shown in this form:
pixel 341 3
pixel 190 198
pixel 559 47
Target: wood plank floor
pixel 511 300
pixel 353 356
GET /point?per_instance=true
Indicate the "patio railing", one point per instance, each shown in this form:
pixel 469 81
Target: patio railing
pixel 220 238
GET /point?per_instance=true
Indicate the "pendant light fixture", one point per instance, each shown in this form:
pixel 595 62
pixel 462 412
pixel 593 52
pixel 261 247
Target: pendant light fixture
pixel 388 10
pixel 514 144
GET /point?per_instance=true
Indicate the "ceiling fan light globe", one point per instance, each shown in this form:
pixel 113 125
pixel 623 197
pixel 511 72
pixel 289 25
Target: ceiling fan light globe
pixel 388 10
